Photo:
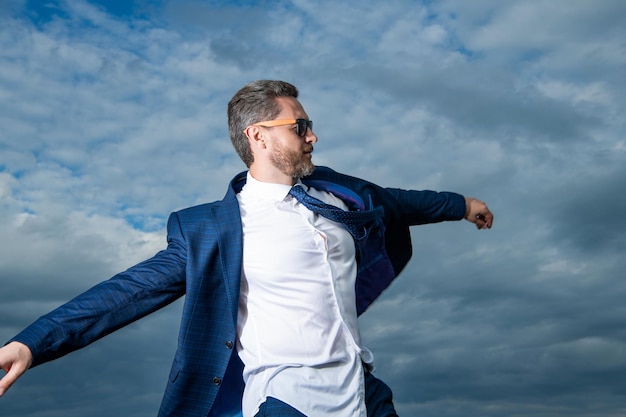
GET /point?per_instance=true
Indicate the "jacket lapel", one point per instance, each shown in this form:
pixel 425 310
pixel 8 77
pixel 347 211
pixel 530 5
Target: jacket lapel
pixel 230 242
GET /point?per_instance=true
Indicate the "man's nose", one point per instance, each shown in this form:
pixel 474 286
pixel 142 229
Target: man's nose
pixel 310 137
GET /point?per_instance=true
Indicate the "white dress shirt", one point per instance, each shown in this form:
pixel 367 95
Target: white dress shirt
pixel 297 328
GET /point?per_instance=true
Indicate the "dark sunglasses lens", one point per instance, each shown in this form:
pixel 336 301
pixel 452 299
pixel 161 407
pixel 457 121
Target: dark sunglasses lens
pixel 302 126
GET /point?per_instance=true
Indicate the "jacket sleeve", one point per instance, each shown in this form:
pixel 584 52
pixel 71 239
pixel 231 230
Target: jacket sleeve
pixel 112 304
pixel 422 207
pixel 402 207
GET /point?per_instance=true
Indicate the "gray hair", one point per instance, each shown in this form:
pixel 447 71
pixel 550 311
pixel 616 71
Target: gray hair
pixel 254 103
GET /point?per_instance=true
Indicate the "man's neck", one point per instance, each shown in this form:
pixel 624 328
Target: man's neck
pixel 271 176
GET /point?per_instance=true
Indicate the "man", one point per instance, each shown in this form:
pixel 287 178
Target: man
pixel 269 271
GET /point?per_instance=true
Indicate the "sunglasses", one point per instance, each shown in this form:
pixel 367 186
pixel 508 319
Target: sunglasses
pixel 301 124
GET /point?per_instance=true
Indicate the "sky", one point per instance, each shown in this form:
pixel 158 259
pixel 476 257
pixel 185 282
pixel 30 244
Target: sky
pixel 113 115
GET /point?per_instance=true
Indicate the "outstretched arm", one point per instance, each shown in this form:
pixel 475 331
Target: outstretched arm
pixel 425 206
pixel 15 359
pixel 102 309
pixel 478 213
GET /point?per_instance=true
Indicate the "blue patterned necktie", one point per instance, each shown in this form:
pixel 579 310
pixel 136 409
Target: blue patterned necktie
pixel 354 221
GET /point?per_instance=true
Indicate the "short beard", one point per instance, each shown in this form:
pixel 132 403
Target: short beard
pixel 294 164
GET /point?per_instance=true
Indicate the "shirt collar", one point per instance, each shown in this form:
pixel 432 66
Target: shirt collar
pixel 268 190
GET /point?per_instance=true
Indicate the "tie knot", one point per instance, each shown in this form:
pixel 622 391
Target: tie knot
pixel 298 192
pixel 352 220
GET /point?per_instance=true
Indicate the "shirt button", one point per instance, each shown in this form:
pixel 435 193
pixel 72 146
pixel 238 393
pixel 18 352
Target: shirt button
pixel 229 344
pixel 217 380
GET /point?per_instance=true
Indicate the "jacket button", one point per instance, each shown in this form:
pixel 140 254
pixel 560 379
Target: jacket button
pixel 217 380
pixel 229 344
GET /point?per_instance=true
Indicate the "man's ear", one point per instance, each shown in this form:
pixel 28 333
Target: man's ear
pixel 256 136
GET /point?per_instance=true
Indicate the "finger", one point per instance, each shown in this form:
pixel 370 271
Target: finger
pixel 13 373
pixel 484 221
pixel 488 216
pixel 479 220
pixel 8 380
pixel 485 218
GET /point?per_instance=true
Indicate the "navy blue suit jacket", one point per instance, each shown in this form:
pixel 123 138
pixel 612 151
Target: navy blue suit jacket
pixel 203 261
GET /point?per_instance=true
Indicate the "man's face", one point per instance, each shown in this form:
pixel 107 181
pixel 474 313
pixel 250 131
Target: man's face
pixel 289 153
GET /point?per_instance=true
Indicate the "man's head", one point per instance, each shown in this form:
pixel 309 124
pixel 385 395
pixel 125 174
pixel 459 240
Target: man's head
pixel 271 131
pixel 255 102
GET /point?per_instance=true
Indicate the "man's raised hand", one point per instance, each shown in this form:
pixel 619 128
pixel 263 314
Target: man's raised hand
pixel 15 359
